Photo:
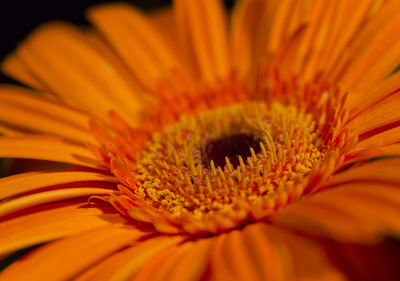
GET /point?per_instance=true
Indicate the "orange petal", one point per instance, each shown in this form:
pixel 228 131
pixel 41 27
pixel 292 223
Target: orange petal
pixel 122 265
pixel 379 114
pixel 64 59
pixel 46 225
pixel 267 255
pixel 233 256
pixel 152 266
pixel 309 42
pixel 25 110
pixel 21 183
pixel 366 153
pixel 220 269
pixel 384 171
pixel 319 219
pixel 240 37
pixel 124 26
pixel 46 148
pixel 380 214
pixel 328 213
pixel 380 138
pixel 359 101
pixel 14 67
pixel 372 55
pixel 307 257
pixel 186 263
pixel 71 255
pixel 192 265
pixel 202 31
pixel 343 29
pixel 163 21
pixel 21 203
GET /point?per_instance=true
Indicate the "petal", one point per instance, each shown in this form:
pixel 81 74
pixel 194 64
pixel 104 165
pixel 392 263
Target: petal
pixel 27 111
pixel 46 148
pixel 122 265
pixel 21 203
pixel 71 255
pixel 220 269
pixel 163 21
pixel 382 171
pixel 308 259
pixel 260 251
pixel 202 31
pixel 61 56
pixel 124 26
pixel 371 52
pixel 365 262
pixel 53 222
pixel 187 262
pixel 14 67
pixel 21 183
pixel 267 255
pixel 152 266
pixel 358 101
pixel 366 153
pixel 381 137
pixel 380 114
pixel 192 265
pixel 343 30
pixel 328 213
pixel 232 260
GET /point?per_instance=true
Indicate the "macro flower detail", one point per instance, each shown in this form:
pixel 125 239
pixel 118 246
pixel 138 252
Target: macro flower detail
pixel 197 143
pixel 193 171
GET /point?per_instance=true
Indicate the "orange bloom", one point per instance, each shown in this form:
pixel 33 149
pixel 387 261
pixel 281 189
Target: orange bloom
pixel 204 145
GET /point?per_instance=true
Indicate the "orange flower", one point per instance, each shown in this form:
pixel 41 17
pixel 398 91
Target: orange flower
pixel 207 146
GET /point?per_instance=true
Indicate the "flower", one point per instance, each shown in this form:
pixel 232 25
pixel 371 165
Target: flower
pixel 207 146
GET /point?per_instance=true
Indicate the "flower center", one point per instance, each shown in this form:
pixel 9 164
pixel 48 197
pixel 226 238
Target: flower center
pixel 217 167
pixel 231 147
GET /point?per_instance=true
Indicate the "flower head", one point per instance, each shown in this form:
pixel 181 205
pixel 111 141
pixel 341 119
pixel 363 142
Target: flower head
pixel 205 145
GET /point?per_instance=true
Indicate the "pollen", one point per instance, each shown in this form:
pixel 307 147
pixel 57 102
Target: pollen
pixel 223 159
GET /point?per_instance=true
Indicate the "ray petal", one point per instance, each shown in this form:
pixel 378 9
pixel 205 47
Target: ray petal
pixel 372 55
pixel 203 34
pixel 20 108
pixel 63 58
pixel 123 265
pixel 383 171
pixel 21 183
pixel 307 258
pixel 53 222
pixel 329 214
pixel 380 114
pixel 21 203
pixel 71 255
pixel 123 26
pixel 46 148
pixel 14 67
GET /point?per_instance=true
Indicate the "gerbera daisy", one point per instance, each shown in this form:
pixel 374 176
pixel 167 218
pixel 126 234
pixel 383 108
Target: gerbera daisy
pixel 206 145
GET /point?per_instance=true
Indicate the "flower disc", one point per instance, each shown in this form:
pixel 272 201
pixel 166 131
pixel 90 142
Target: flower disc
pixel 221 168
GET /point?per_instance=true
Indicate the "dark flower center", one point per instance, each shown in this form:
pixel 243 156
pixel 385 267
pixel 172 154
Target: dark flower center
pixel 232 147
